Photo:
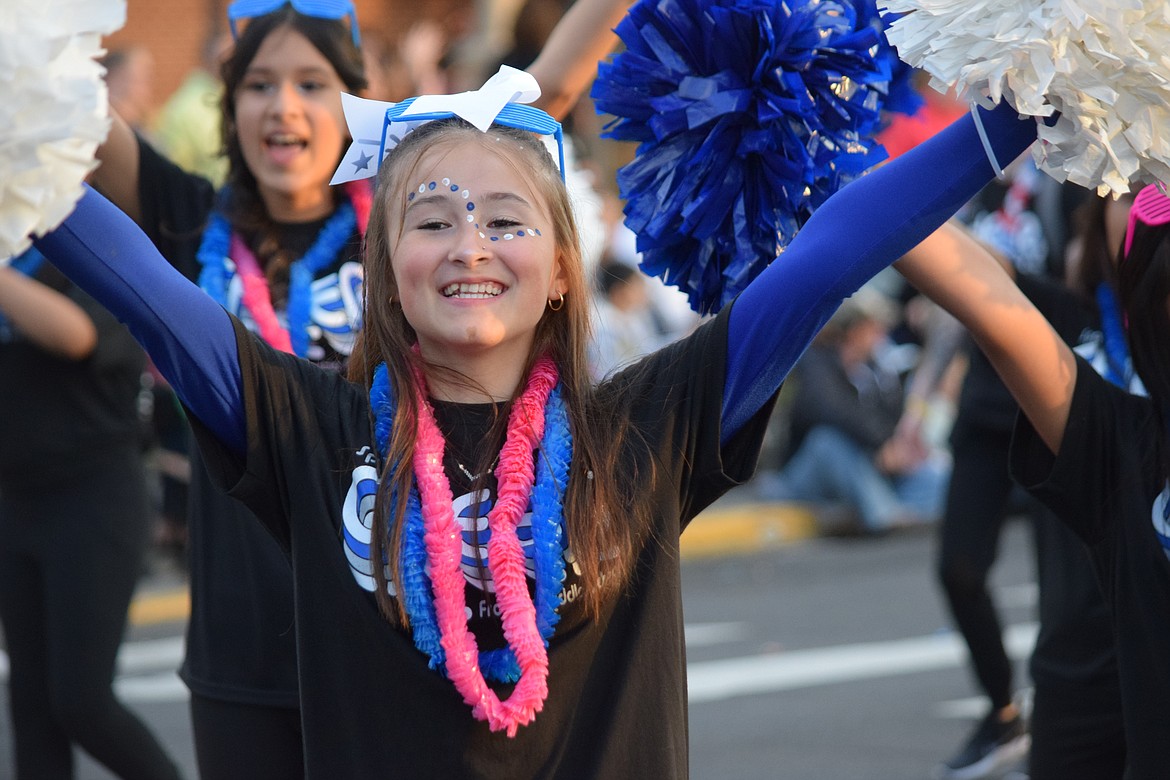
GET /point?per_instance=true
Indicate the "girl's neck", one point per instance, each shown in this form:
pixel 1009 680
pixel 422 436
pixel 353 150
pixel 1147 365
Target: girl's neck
pixel 304 206
pixel 477 379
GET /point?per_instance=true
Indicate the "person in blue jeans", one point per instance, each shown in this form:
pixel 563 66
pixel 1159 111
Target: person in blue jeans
pixel 843 423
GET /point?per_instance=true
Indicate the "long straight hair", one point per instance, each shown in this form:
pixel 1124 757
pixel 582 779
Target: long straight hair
pixel 605 506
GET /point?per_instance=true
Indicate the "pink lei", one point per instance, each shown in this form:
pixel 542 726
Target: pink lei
pixel 515 475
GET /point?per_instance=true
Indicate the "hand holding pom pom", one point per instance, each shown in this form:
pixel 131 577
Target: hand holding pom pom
pixel 52 108
pixel 1101 64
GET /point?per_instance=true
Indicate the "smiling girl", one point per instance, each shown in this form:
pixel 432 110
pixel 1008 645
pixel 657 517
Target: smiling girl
pixel 485 543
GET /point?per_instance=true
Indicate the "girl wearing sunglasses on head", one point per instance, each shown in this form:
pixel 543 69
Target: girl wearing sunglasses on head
pixel 280 249
pixel 484 543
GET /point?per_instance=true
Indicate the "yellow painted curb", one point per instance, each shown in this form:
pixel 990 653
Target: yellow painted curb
pixel 739 529
pixel 160 607
pixel 746 528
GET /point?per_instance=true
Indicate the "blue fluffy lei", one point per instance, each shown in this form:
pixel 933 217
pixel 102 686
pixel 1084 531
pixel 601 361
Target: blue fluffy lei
pixel 552 474
pixel 213 277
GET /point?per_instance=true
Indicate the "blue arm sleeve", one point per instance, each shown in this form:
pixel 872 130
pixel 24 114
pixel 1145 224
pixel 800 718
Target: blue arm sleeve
pixel 857 232
pixel 187 334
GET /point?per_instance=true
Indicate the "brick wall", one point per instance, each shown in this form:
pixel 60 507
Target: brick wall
pixel 174 30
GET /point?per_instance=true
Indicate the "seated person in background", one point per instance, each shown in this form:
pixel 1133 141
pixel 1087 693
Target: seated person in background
pixel 843 418
pixel 623 327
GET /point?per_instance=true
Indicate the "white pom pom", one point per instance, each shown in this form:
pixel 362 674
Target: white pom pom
pixel 53 110
pixel 1103 64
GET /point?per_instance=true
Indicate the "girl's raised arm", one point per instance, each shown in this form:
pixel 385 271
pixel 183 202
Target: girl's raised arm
pixel 568 61
pixel 189 336
pixel 117 172
pixel 857 232
pixel 955 271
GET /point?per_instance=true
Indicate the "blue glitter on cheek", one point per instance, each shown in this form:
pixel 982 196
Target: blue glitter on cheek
pixel 410 196
pixel 431 186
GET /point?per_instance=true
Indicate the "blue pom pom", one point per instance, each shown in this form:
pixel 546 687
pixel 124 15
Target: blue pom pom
pixel 748 115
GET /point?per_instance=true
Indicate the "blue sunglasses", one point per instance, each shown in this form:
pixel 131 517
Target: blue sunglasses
pixel 517 115
pixel 242 10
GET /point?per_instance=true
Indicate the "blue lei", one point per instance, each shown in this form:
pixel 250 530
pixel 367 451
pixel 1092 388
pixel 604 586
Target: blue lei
pixel 552 474
pixel 213 278
pixel 1119 369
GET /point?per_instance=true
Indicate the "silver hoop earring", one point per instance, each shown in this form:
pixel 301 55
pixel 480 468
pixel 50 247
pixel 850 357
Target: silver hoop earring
pixel 560 303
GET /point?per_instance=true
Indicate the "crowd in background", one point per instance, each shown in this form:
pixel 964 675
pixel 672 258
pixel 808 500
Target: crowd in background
pixel 873 418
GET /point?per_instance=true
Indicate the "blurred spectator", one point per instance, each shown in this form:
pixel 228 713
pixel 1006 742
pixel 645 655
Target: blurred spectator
pixel 904 132
pixel 673 315
pixel 843 418
pixel 624 326
pixel 398 68
pixel 188 127
pixel 130 80
pixel 73 524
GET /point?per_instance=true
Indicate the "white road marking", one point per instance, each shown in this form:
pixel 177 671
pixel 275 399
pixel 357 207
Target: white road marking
pixel 147 667
pixel 733 677
pixel 707 634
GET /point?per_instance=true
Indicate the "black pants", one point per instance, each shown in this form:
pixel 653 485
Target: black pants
pixel 977 502
pixel 234 740
pixel 1076 720
pixel 69 560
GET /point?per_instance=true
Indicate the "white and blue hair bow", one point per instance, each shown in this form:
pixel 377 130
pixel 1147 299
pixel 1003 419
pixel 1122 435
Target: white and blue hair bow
pixel 377 127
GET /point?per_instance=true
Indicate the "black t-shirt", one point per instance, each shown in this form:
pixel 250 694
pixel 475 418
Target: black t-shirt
pixel 59 416
pixel 240 636
pixel 1107 483
pixel 370 705
pixel 1075 648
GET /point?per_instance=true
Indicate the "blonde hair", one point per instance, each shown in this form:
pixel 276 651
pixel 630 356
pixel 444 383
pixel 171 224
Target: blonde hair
pixel 598 491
